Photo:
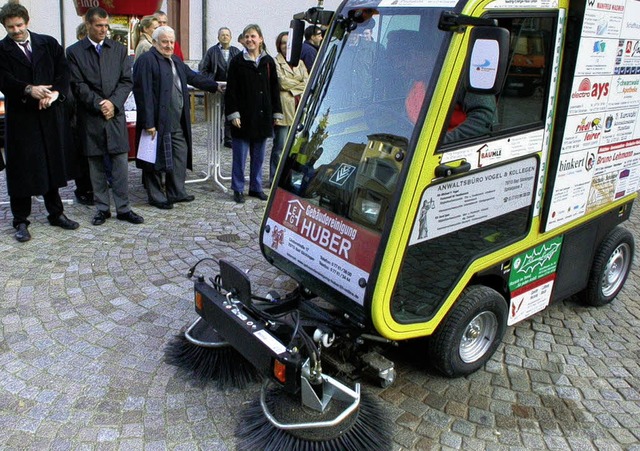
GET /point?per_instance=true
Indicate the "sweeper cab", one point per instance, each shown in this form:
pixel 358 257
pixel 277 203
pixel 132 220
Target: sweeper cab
pixel 454 168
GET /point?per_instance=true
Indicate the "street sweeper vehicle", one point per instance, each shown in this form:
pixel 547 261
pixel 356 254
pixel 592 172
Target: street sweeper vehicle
pixel 420 196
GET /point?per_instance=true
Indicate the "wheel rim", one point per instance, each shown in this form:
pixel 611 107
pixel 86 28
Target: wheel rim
pixel 615 270
pixel 478 336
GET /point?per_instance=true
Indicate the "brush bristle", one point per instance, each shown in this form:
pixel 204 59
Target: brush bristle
pixel 223 365
pixel 369 430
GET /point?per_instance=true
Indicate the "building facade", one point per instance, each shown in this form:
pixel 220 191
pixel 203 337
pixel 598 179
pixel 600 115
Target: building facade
pixel 195 21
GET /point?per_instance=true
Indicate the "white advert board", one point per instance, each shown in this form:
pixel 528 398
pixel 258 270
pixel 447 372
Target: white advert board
pixel 482 195
pixel 600 152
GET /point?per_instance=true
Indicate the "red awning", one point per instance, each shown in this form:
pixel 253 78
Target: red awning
pixel 120 7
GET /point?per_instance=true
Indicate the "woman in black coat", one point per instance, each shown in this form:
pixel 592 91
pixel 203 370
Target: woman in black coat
pixel 252 101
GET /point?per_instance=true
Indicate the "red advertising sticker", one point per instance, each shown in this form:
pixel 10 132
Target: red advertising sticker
pixel 332 248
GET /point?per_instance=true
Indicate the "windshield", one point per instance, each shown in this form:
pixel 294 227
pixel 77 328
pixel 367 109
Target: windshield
pixel 361 112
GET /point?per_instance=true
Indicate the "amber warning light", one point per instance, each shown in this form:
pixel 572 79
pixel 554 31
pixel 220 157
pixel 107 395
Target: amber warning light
pixel 280 371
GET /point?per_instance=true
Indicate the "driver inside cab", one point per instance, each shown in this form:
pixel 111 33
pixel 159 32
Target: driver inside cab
pixel 473 114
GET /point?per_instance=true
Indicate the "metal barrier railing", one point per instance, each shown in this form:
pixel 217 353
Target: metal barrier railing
pixel 215 130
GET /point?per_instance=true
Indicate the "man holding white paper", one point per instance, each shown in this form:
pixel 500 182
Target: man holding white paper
pixel 160 82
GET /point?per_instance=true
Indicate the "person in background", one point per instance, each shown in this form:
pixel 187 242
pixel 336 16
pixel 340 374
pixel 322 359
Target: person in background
pixel 84 190
pixel 216 61
pixel 35 125
pixel 310 46
pixel 144 31
pixel 163 20
pixel 293 80
pixel 101 83
pixel 252 103
pixel 162 100
pixel 215 65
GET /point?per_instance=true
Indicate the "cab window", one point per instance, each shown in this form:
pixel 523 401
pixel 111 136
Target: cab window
pixel 522 102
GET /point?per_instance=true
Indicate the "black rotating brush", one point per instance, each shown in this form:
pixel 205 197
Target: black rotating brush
pixel 213 360
pixel 367 428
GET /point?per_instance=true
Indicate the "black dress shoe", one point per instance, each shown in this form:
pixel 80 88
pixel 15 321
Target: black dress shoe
pixel 100 217
pixel 64 222
pixel 85 199
pixel 259 194
pixel 22 234
pixel 131 217
pixel 161 205
pixel 188 198
pixel 238 197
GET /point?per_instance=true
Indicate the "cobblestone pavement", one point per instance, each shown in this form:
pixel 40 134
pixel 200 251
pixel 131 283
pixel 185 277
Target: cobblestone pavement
pixel 85 315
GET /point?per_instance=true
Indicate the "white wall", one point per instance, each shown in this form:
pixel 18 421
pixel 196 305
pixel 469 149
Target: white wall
pixel 273 16
pixel 49 17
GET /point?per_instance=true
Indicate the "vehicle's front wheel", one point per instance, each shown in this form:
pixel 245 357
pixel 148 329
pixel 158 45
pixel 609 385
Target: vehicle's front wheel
pixel 470 333
pixel 610 268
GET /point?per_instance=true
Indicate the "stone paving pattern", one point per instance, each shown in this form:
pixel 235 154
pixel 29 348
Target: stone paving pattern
pixel 85 315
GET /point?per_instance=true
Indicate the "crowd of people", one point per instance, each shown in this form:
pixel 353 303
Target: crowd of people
pixel 65 112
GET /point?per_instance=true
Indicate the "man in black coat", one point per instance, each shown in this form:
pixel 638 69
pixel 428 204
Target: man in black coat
pixel 215 65
pixel 216 61
pixel 34 78
pixel 162 103
pixel 101 82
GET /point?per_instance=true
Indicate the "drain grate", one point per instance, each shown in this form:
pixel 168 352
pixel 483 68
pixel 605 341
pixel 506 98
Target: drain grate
pixel 228 237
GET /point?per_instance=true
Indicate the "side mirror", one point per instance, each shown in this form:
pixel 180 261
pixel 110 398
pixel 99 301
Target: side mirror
pixel 488 60
pixel 294 42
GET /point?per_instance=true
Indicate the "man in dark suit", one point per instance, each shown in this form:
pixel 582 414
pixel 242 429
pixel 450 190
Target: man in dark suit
pixel 101 82
pixel 215 65
pixel 162 102
pixel 34 78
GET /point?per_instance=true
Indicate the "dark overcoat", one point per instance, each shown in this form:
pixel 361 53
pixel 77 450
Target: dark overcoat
pixel 213 65
pixel 34 141
pixel 95 78
pixel 152 86
pixel 254 92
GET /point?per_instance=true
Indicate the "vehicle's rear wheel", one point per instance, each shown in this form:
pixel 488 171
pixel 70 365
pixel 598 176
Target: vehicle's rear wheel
pixel 610 268
pixel 470 333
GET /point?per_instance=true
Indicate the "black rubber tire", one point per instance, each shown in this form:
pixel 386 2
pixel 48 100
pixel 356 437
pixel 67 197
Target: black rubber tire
pixel 446 345
pixel 610 268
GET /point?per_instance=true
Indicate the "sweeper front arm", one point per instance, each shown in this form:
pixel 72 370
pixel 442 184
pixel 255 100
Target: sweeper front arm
pixel 284 340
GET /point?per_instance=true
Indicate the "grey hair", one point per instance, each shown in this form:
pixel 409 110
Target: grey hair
pixel 165 29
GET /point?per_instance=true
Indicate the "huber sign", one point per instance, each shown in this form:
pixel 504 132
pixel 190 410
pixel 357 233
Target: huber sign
pixel 119 7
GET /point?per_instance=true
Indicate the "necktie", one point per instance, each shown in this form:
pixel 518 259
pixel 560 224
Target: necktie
pixel 176 77
pixel 99 49
pixel 25 47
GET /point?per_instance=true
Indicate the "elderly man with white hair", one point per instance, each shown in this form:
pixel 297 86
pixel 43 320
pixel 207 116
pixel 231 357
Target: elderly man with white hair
pixel 160 82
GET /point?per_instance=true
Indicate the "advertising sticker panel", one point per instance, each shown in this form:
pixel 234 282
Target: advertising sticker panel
pixel 337 251
pixel 531 280
pixel 472 199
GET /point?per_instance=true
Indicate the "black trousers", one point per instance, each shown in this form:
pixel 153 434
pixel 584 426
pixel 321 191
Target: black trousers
pixel 21 207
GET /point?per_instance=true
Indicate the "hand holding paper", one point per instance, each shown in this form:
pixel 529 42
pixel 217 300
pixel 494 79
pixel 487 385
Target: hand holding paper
pixel 147 148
